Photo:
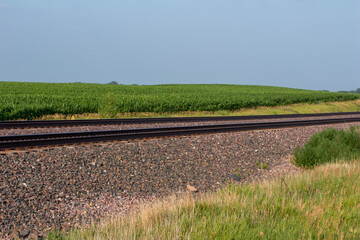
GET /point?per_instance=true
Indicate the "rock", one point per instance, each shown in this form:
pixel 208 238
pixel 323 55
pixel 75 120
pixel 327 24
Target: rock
pixel 24 232
pixel 14 235
pixel 191 188
pixel 32 236
pixel 235 177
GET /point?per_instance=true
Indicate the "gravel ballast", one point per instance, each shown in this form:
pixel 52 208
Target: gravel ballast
pixel 63 187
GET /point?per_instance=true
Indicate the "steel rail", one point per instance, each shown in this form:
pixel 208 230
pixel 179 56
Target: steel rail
pixel 88 122
pixel 25 141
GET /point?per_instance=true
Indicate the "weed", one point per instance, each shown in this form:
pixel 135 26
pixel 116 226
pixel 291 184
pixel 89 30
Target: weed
pixel 108 108
pixel 261 165
pixel 329 146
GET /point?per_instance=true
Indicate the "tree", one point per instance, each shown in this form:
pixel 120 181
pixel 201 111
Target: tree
pixel 113 83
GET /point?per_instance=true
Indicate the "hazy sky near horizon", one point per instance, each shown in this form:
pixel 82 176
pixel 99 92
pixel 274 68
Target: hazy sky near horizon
pixel 309 44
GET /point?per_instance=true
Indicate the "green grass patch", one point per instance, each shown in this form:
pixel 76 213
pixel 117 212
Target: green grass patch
pixel 20 100
pixel 328 146
pixel 323 203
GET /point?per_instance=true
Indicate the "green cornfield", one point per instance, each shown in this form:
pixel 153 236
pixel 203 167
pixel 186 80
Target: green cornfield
pixel 20 100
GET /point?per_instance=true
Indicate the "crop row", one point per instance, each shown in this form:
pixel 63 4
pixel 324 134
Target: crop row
pixel 33 100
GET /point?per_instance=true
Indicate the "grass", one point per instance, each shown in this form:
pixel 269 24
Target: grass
pixel 328 146
pixel 348 106
pixel 323 203
pixel 19 100
pixel 261 165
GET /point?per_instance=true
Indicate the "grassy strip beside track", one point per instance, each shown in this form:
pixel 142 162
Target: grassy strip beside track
pixel 328 107
pixel 34 100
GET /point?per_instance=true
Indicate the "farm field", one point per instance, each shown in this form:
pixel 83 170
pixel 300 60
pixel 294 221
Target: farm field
pixel 21 100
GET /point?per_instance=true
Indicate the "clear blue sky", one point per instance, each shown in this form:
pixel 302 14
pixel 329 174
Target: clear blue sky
pixel 309 44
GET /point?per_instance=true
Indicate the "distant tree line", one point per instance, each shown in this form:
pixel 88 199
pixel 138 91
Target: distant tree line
pixel 352 91
pixel 116 83
pixel 113 83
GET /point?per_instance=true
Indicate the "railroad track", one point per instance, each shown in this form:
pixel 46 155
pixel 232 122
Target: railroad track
pixel 88 122
pixel 36 140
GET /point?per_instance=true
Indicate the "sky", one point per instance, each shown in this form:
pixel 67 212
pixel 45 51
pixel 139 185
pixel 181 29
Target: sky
pixel 307 44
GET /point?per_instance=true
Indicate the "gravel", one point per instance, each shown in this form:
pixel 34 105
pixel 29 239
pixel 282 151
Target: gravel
pixel 63 187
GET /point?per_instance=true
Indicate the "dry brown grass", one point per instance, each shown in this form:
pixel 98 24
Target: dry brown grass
pixel 348 106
